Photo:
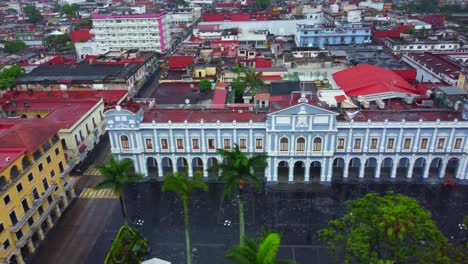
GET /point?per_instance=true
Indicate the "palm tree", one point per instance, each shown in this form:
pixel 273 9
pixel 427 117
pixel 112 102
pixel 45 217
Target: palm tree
pixel 252 79
pixel 239 68
pixel 236 170
pixel 260 251
pixel 183 186
pixel 116 174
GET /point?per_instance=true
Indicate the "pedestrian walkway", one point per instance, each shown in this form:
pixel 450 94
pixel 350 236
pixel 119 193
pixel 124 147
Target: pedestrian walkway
pixel 91 193
pixel 91 171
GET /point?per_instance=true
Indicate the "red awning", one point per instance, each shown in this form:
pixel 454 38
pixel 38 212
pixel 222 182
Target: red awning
pixel 83 148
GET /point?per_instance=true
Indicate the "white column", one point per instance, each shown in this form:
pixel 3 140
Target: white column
pixel 426 167
pixel 307 171
pixel 190 168
pixel 291 171
pixel 275 169
pixel 363 166
pixel 322 170
pixel 409 173
pixel 450 141
pixel 346 168
pixel 444 167
pixel 394 169
pixel 31 247
pixel 461 173
pixel 379 164
pixel 160 168
pixel 40 233
pixel 50 224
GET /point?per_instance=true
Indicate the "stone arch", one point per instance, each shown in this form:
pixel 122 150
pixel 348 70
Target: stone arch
pixel 353 169
pixel 386 169
pixel 299 171
pixel 370 169
pixel 210 162
pixel 315 171
pixel 418 169
pixel 402 169
pixel 338 169
pixel 283 171
pixel 284 144
pixel 167 166
pixel 182 165
pixel 197 165
pixel 435 169
pixel 451 170
pixel 152 167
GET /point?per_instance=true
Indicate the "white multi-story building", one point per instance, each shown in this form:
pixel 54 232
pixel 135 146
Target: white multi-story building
pixel 146 32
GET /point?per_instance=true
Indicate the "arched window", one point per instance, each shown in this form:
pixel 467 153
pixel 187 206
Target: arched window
pixel 14 173
pixel 3 182
pixel 300 144
pixel 25 163
pixel 317 144
pixel 124 142
pixel 284 144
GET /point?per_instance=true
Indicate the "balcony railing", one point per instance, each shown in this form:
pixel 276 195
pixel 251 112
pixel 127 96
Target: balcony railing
pixel 20 243
pixel 33 209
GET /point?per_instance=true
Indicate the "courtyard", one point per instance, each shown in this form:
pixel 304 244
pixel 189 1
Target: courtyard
pixel 296 211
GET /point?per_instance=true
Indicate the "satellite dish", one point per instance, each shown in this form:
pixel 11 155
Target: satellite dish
pixel 187 101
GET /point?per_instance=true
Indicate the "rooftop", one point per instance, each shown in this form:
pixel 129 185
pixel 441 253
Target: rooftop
pixel 134 16
pixel 197 115
pixel 9 155
pixel 436 63
pixel 176 93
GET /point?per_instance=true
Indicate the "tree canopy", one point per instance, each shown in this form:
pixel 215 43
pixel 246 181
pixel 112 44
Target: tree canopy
pixel 261 4
pixel 70 11
pixel 14 46
pixel 386 228
pixel 129 246
pixel 9 75
pixel 204 86
pixel 86 22
pixel 32 13
pixel 58 42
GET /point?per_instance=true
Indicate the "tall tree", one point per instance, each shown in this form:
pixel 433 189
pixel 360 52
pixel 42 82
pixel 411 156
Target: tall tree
pixel 204 85
pixel 70 11
pixel 262 250
pixel 239 68
pixel 236 170
pixel 116 174
pixel 34 16
pixel 252 79
pixel 391 227
pixel 183 186
pixel 238 86
pixel 13 46
pixel 58 42
pixel 9 75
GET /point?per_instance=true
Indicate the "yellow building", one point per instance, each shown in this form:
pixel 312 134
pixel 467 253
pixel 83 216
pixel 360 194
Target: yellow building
pixel 203 70
pixel 79 114
pixel 35 187
pixel 463 81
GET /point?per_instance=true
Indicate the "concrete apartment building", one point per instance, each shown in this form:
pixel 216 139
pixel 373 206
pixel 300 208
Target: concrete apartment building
pixel 146 32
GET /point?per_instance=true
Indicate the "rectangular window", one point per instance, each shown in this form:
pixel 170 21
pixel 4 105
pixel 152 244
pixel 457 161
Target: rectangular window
pixel 13 218
pixel 40 167
pixel 243 143
pixel 40 210
pixel 57 151
pixel 94 123
pixel 19 234
pixel 25 205
pixel 164 143
pixel 35 194
pixel 390 143
pixel 211 143
pixel 19 187
pixel 61 167
pixel 49 199
pixel 195 144
pixel 424 143
pixel 30 177
pixel 149 143
pixel 407 143
pixel 2 227
pixel 45 184
pixel 227 143
pixel 180 143
pixel 317 144
pixel 124 142
pixel 357 143
pixel 6 199
pixel 52 173
pixel 441 143
pixel 31 221
pixel 6 244
pixel 340 143
pixel 259 143
pixel 48 159
pixel 77 141
pixel 87 129
pixel 374 142
pixel 458 143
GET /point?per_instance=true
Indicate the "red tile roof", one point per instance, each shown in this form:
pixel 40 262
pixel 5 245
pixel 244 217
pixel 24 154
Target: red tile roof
pixel 366 79
pixel 9 155
pixel 196 115
pixel 80 35
pixel 219 99
pixel 436 63
pixel 28 136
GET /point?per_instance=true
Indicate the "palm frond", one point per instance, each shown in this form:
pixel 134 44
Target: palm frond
pixel 268 248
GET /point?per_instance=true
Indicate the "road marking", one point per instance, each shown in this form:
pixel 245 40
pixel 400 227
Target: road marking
pixel 91 171
pixel 91 193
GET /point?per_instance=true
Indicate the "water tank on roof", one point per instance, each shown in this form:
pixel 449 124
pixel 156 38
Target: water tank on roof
pixel 334 8
pixel 380 103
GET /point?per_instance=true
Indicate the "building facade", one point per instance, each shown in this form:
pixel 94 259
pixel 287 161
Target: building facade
pixel 308 35
pixel 146 32
pixel 304 143
pixel 399 45
pixel 35 189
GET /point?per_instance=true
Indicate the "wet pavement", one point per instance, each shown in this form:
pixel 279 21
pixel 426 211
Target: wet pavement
pixel 297 212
